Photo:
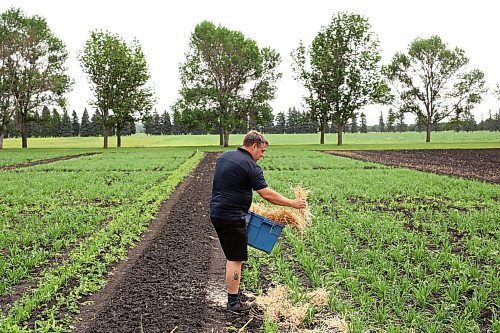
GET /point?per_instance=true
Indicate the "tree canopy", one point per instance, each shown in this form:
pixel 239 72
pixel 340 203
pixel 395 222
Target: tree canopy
pixel 340 70
pixel 227 81
pixel 32 71
pixel 432 82
pixel 118 74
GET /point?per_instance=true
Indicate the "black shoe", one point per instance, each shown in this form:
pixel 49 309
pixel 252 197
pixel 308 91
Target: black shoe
pixel 239 307
pixel 246 297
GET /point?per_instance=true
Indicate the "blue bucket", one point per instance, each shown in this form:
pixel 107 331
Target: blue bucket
pixel 262 232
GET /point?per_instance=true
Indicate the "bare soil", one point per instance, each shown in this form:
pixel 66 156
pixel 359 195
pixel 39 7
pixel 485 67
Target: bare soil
pixel 480 164
pixel 173 281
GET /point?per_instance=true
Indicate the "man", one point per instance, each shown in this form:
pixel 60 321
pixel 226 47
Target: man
pixel 236 175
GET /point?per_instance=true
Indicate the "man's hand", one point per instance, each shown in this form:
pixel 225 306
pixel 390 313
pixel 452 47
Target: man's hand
pixel 277 199
pixel 299 203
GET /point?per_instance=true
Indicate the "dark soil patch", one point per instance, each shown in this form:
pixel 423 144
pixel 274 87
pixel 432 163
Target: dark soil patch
pixel 164 286
pixel 480 164
pixel 49 160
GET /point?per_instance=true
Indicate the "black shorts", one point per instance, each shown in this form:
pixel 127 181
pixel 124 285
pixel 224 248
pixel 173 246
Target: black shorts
pixel 233 237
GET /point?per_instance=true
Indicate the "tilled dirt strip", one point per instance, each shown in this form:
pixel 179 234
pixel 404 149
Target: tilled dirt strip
pixel 46 161
pixel 481 164
pixel 169 283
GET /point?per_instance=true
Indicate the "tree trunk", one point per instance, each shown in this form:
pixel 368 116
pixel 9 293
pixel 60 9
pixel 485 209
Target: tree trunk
pixel 221 138
pixel 323 130
pixel 3 131
pixel 105 135
pixel 226 138
pixel 428 138
pixel 118 137
pixel 23 129
pixel 339 135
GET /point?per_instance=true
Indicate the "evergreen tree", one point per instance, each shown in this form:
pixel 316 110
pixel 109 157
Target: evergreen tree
pixel 156 124
pixel 177 126
pixel 128 128
pixel 381 123
pixel 391 120
pixel 292 120
pixel 268 126
pixel 401 126
pixel 354 123
pixel 75 124
pixel 95 125
pixel 56 124
pixel 166 124
pixel 66 125
pixel 492 123
pixel 33 127
pixel 85 128
pixel 363 128
pixel 45 123
pixel 280 123
pixel 307 123
pixel 148 125
pixel 469 123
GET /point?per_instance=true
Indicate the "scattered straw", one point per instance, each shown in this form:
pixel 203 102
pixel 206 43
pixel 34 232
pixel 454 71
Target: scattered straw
pixel 296 218
pixel 290 318
pixel 302 193
pixel 318 297
pixel 279 308
pixel 337 324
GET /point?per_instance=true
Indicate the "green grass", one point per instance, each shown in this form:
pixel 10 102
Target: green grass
pixel 408 140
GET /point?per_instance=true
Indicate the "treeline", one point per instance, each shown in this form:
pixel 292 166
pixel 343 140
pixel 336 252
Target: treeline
pixel 297 122
pixel 54 124
pixel 231 90
pixel 34 79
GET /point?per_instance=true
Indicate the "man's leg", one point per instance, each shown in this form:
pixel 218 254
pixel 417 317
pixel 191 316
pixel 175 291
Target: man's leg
pixel 233 276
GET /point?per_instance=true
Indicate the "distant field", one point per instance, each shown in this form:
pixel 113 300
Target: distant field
pixel 15 156
pixel 408 140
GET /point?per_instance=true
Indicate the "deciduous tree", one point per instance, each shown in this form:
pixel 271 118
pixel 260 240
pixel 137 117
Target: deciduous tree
pixel 33 74
pixel 118 74
pixel 340 71
pixel 431 81
pixel 226 80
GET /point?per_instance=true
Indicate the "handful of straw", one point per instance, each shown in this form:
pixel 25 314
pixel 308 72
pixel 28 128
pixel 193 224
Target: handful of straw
pixel 296 218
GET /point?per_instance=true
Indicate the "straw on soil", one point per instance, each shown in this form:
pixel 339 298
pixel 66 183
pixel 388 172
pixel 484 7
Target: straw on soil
pixel 296 218
pixel 290 318
pixel 279 309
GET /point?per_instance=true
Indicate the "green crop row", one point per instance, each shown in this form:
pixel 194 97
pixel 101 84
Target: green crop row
pixel 398 250
pixel 74 223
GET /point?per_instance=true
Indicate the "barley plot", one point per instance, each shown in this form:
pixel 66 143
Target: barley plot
pixel 397 250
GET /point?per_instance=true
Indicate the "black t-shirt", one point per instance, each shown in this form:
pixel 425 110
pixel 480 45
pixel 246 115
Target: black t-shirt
pixel 236 174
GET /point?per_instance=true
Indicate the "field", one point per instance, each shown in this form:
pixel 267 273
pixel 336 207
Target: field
pixel 396 250
pixel 63 223
pixel 390 249
pixel 406 140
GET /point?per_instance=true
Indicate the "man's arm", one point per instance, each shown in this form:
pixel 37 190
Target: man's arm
pixel 275 198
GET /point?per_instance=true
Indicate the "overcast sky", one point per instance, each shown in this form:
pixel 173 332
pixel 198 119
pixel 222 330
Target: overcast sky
pixel 163 29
